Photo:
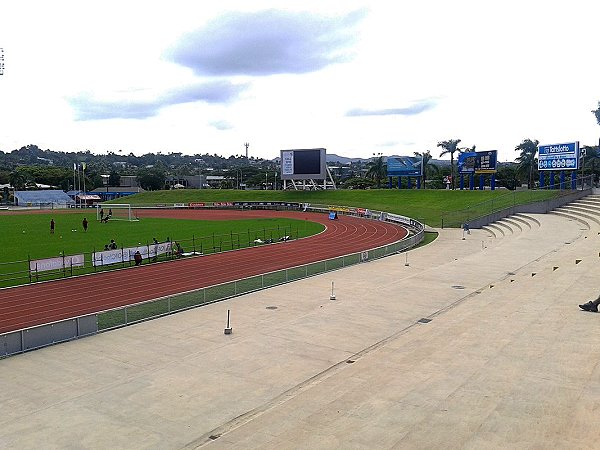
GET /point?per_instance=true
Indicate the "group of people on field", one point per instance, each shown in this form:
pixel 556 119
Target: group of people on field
pixel 84 224
pixel 112 245
pixel 107 217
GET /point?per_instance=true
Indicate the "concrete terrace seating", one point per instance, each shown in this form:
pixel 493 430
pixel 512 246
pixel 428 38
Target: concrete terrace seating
pixel 450 345
pixel 512 225
pixel 585 211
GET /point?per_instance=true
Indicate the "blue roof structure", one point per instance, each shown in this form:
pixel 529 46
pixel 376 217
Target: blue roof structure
pixel 31 198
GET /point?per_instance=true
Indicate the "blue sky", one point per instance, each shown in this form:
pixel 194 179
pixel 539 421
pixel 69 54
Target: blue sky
pixel 355 77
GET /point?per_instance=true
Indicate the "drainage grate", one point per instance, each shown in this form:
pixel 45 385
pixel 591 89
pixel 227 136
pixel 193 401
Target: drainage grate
pixel 212 437
pixel 424 320
pixel 458 286
pixel 350 361
pixel 271 307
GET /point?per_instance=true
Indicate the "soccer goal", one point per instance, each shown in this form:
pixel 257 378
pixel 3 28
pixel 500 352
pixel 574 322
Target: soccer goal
pixel 115 211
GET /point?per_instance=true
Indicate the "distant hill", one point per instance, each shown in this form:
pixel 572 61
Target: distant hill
pixel 333 158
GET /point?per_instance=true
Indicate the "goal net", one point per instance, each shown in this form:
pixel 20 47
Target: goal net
pixel 115 211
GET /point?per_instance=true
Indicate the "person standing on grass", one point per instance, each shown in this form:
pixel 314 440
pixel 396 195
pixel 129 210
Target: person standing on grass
pixel 51 226
pixel 85 223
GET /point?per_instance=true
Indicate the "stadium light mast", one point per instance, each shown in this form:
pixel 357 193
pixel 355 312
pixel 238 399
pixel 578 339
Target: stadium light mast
pixel 105 179
pixel 246 144
pixel 239 180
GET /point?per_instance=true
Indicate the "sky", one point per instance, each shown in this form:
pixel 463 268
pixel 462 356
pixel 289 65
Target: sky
pixel 359 78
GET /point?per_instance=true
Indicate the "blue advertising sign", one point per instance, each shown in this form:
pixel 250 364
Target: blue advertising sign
pixel 477 162
pixel 486 162
pixel 466 162
pixel 404 166
pixel 559 156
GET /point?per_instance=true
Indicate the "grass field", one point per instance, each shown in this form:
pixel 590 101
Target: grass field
pixel 428 206
pixel 27 236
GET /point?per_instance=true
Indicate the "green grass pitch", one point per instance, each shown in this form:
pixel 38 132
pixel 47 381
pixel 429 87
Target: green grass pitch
pixel 27 236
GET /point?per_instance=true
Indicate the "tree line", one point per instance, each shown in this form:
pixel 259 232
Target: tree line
pixel 28 166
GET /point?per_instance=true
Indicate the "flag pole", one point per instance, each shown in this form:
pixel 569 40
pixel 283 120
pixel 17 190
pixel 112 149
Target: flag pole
pixel 79 184
pixel 83 173
pixel 74 183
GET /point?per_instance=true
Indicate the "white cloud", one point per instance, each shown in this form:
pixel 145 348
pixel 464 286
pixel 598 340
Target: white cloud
pixel 266 42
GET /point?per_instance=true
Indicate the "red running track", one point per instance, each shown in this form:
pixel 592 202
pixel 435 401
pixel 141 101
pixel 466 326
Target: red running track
pixel 36 304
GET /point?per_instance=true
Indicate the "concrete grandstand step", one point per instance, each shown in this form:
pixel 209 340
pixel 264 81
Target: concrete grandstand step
pixel 584 208
pixel 505 226
pixel 528 218
pixel 570 216
pixel 515 225
pixel 490 230
pixel 588 217
pixel 593 197
pixel 498 230
pixel 524 223
pixel 590 201
pixel 580 212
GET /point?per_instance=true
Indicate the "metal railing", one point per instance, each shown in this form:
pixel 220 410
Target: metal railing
pixel 514 199
pixel 131 314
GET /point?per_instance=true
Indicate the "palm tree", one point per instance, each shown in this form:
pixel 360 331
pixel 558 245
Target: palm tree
pixel 596 113
pixel 428 167
pixel 377 170
pixel 467 149
pixel 17 180
pixel 450 146
pixel 526 159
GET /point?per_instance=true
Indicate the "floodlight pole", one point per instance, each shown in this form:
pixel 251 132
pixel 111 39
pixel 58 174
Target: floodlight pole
pixel 79 184
pixel 239 180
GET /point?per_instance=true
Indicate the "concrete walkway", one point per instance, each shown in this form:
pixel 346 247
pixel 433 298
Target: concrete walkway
pixel 474 343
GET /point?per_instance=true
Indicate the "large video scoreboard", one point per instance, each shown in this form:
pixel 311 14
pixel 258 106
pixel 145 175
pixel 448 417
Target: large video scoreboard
pixel 303 164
